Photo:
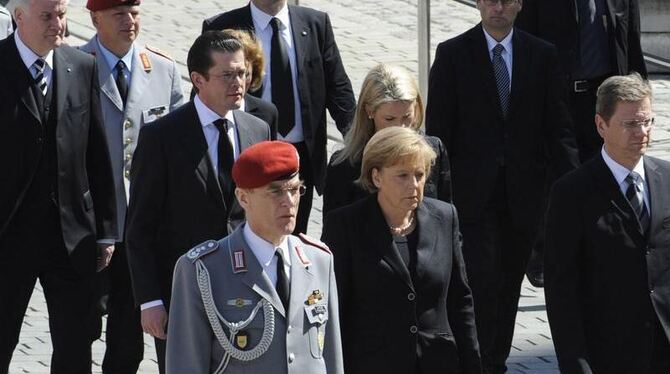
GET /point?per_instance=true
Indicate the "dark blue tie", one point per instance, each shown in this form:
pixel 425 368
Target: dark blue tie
pixel 635 195
pixel 502 77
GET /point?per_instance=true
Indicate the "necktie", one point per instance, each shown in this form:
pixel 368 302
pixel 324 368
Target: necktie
pixel 282 80
pixel 121 82
pixel 40 78
pixel 226 157
pixel 635 195
pixel 283 286
pixel 502 77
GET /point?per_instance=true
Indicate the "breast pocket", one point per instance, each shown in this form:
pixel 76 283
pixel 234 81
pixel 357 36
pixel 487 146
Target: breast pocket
pixel 317 317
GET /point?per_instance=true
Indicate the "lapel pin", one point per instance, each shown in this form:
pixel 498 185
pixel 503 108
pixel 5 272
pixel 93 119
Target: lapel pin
pixel 69 70
pixel 304 33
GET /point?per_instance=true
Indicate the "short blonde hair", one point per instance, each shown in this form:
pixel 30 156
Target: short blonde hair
pixel 253 52
pixel 621 88
pixel 390 146
pixel 383 84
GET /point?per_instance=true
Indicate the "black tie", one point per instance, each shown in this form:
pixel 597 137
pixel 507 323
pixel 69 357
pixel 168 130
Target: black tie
pixel 283 286
pixel 121 82
pixel 282 80
pixel 226 158
pixel 502 77
pixel 635 195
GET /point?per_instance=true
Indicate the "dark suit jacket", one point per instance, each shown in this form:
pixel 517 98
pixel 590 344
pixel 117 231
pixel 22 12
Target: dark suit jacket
pixel 464 112
pixel 557 22
pixel 605 281
pixel 264 110
pixel 175 199
pixel 85 182
pixel 379 302
pixel 322 81
pixel 340 189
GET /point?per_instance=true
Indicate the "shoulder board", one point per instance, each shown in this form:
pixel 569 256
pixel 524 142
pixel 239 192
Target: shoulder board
pixel 202 250
pixel 313 242
pixel 158 51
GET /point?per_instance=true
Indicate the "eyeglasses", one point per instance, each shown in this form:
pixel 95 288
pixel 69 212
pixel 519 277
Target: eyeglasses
pixel 495 2
pixel 279 193
pixel 232 75
pixel 633 125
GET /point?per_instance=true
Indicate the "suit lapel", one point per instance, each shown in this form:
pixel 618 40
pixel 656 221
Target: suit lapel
pixel 384 244
pixel 138 81
pixel 301 36
pixel 520 66
pixel 481 57
pixel 23 79
pixel 301 278
pixel 254 276
pixel 63 73
pixel 428 230
pixel 572 6
pixel 657 184
pixel 244 136
pixel 105 76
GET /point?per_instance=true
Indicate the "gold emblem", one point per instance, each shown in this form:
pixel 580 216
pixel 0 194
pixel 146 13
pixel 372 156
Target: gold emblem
pixel 241 340
pixel 239 303
pixel 146 63
pixel 322 340
pixel 314 297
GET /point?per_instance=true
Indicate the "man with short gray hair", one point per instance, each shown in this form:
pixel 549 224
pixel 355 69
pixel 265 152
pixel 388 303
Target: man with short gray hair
pixel 607 240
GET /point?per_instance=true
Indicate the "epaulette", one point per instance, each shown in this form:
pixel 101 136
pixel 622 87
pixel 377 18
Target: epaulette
pixel 202 249
pixel 158 52
pixel 313 242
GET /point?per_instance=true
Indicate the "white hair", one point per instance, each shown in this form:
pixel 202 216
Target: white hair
pixel 13 4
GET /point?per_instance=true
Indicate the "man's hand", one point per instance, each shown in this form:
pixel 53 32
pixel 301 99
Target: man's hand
pixel 105 252
pixel 154 320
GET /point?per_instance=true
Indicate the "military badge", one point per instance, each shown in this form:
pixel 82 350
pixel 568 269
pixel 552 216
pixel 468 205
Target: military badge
pixel 322 340
pixel 314 297
pixel 241 339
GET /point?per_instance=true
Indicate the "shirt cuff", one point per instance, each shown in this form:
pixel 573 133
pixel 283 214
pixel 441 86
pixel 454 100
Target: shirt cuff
pixel 151 304
pixel 106 241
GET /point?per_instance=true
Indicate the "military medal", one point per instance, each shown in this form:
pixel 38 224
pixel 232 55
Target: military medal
pixel 314 297
pixel 241 339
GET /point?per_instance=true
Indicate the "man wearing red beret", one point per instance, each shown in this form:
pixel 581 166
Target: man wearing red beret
pixel 259 300
pixel 137 86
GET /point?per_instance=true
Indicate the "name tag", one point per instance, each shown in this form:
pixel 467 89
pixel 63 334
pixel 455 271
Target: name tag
pixel 153 114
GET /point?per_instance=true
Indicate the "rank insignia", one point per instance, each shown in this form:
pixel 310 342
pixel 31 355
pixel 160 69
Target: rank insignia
pixel 238 261
pixel 314 297
pixel 241 339
pixel 301 256
pixel 146 63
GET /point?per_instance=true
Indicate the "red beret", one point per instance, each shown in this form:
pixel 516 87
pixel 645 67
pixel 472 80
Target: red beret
pixel 265 162
pixel 96 5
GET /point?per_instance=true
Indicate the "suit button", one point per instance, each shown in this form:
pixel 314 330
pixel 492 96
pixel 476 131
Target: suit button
pixel 291 357
pixel 413 329
pixel 39 140
pixel 411 296
pixel 288 329
pixel 647 325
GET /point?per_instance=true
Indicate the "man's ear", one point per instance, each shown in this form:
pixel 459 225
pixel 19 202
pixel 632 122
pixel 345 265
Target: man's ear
pixel 601 124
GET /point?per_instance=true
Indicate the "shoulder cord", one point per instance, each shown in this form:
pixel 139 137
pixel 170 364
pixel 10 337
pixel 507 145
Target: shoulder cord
pixel 213 315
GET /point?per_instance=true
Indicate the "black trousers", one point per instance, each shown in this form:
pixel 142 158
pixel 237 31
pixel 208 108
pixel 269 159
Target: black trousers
pixel 31 250
pixel 583 110
pixel 305 200
pixel 496 253
pixel 124 339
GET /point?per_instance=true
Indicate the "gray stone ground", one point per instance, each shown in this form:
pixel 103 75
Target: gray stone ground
pixel 367 32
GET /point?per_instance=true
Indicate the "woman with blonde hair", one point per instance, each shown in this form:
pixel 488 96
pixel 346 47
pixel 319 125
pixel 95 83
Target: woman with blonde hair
pixel 389 97
pixel 405 303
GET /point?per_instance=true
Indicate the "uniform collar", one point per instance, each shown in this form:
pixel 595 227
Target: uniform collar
pixel 264 250
pixel 112 59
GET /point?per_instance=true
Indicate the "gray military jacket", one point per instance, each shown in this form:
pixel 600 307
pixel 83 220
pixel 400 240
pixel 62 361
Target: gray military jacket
pixel 154 91
pixel 5 23
pixel 308 343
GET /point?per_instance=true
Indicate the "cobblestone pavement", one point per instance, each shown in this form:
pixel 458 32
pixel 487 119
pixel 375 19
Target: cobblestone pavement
pixel 367 32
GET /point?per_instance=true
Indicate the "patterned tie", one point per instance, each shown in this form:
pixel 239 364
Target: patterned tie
pixel 40 78
pixel 635 195
pixel 283 285
pixel 282 80
pixel 121 82
pixel 502 77
pixel 226 158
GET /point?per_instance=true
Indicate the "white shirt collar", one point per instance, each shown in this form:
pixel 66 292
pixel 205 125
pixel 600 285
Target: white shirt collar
pixel 263 19
pixel 264 250
pixel 208 116
pixel 112 59
pixel 506 42
pixel 28 56
pixel 619 171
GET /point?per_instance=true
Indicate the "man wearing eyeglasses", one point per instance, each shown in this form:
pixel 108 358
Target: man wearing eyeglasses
pixel 496 101
pixel 259 300
pixel 608 239
pixel 181 190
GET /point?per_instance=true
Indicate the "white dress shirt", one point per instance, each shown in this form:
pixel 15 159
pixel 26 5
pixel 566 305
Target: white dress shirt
pixel 29 57
pixel 264 33
pixel 620 173
pixel 265 253
pixel 506 54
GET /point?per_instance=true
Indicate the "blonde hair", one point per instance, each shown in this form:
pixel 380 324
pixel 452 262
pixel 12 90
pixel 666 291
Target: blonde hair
pixel 253 52
pixel 621 88
pixel 391 146
pixel 383 84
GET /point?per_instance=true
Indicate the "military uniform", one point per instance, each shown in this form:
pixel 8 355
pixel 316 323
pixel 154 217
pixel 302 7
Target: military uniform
pixel 5 23
pixel 226 315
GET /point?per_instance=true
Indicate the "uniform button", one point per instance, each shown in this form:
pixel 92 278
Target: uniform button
pixel 128 157
pixel 411 296
pixel 291 357
pixel 288 329
pixel 127 124
pixel 413 329
pixel 128 141
pixel 127 173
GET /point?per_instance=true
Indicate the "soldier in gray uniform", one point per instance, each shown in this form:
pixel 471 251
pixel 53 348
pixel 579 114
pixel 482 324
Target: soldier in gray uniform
pixel 137 86
pixel 5 23
pixel 260 300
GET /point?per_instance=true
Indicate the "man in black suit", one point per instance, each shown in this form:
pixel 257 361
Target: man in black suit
pixel 181 190
pixel 304 76
pixel 57 207
pixel 608 239
pixel 496 101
